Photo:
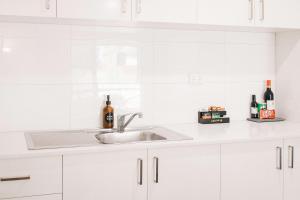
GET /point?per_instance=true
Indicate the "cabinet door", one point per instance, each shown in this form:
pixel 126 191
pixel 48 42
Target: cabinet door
pixel 229 12
pixel 45 197
pixel 278 13
pixel 252 171
pixel 175 11
pixel 35 8
pixel 292 169
pixel 108 176
pixel 191 173
pixel 94 9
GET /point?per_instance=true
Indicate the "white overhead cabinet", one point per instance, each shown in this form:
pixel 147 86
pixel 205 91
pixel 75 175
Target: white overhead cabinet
pixel 229 12
pixel 278 13
pixel 169 11
pixel 32 8
pixel 108 176
pixel 191 173
pixel 95 9
pixel 252 171
pixel 292 169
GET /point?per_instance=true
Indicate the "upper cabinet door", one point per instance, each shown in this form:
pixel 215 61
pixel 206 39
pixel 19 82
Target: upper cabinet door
pixel 107 176
pixel 191 173
pixel 176 11
pixel 252 171
pixel 292 169
pixel 94 9
pixel 226 12
pixel 278 13
pixel 32 8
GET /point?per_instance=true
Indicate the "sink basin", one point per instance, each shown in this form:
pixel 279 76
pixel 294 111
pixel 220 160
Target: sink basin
pixel 81 138
pixel 60 139
pixel 146 135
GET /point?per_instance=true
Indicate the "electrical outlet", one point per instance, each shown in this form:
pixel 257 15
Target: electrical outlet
pixel 195 79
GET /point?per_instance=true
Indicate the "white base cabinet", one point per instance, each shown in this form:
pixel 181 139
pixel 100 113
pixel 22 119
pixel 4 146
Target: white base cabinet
pixel 30 177
pixel 191 173
pixel 292 169
pixel 252 171
pixel 174 173
pixel 235 171
pixel 107 176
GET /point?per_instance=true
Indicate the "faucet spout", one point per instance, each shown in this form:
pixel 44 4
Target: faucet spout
pixel 121 120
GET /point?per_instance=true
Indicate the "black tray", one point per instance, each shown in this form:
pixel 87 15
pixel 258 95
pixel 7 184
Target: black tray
pixel 214 121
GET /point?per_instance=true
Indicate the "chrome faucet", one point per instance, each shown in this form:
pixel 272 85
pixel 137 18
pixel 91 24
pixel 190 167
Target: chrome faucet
pixel 121 120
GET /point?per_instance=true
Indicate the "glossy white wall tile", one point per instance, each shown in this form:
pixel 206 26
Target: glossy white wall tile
pixel 28 107
pixel 58 75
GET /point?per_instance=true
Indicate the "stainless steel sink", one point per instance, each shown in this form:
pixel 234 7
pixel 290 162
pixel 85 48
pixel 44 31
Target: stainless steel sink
pixel 60 139
pixel 144 135
pixel 81 138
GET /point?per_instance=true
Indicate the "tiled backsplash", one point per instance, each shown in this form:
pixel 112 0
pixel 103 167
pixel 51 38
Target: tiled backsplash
pixel 56 76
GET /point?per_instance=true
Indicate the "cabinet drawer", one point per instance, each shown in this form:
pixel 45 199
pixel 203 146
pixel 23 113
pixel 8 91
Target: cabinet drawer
pixel 45 197
pixel 30 176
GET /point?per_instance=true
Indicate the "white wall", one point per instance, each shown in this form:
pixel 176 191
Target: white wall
pixel 56 76
pixel 287 74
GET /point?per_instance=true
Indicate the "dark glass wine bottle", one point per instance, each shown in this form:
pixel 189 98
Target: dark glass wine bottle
pixel 269 97
pixel 254 108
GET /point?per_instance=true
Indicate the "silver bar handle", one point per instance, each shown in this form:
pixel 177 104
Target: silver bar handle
pixel 20 178
pixel 47 4
pixel 262 10
pixel 250 10
pixel 124 6
pixel 291 157
pixel 138 6
pixel 140 172
pixel 278 158
pixel 155 162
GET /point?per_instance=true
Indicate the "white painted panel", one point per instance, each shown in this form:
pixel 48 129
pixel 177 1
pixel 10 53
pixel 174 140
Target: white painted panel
pixel 249 171
pixel 36 8
pixel 177 11
pixel 229 12
pixel 45 176
pixel 185 173
pixel 291 169
pixel 278 13
pixel 110 175
pixel 95 9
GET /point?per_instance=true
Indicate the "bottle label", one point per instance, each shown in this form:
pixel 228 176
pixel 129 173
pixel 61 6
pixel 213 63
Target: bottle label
pixel 109 117
pixel 254 110
pixel 270 105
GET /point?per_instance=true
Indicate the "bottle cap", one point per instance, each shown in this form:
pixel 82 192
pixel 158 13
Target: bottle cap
pixel 253 97
pixel 108 102
pixel 269 83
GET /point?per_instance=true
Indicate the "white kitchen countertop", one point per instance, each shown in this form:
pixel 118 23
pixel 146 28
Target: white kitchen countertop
pixel 13 144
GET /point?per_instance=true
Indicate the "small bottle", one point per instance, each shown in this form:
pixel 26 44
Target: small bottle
pixel 254 108
pixel 269 97
pixel 108 114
